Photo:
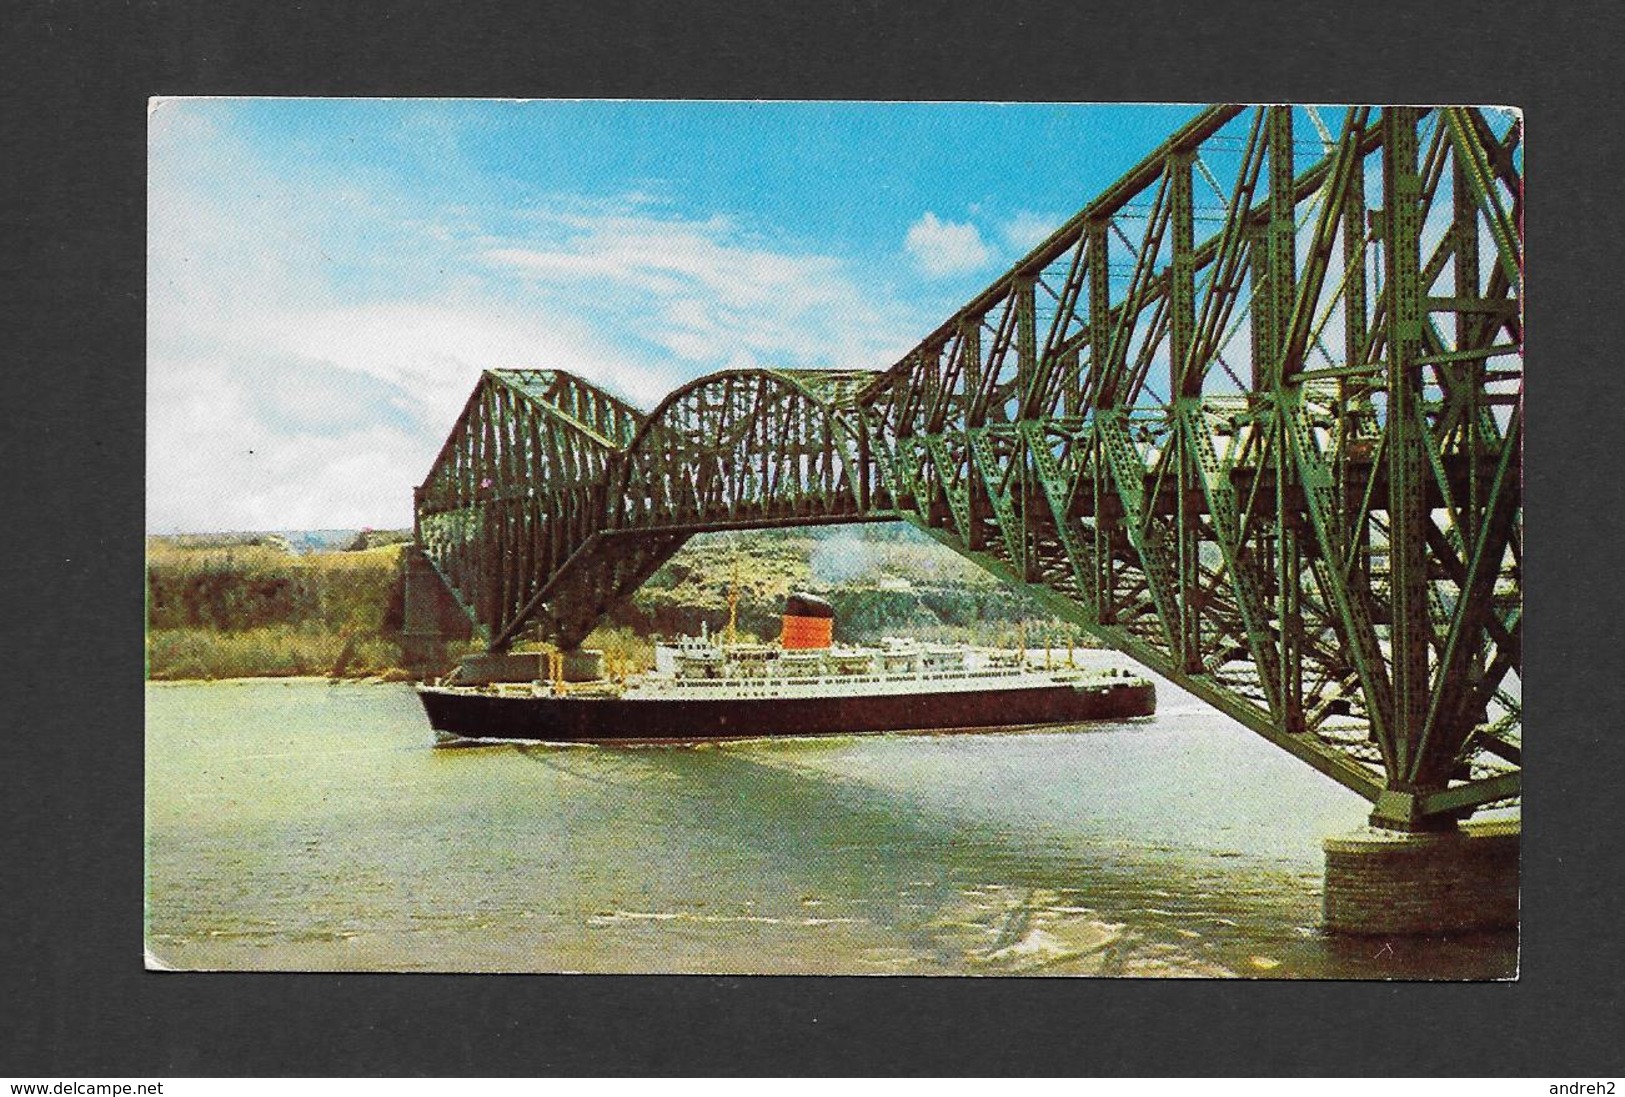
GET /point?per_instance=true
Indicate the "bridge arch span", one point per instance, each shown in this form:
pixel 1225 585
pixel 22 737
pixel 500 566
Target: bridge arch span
pixel 748 447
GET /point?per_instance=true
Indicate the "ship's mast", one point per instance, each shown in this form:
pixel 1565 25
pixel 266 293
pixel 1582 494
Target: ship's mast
pixel 731 636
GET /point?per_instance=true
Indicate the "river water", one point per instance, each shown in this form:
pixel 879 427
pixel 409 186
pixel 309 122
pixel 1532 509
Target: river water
pixel 298 825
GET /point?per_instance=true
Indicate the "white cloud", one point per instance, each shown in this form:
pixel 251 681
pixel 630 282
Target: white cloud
pixel 1026 230
pixel 311 342
pixel 711 295
pixel 942 248
pixel 328 415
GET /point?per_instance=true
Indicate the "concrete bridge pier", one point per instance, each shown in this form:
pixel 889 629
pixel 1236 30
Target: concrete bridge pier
pixel 431 619
pixel 1381 881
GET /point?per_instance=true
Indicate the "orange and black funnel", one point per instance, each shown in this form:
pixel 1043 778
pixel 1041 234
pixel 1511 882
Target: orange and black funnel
pixel 809 622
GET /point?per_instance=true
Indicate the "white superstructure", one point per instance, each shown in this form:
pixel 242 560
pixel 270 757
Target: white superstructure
pixel 701 668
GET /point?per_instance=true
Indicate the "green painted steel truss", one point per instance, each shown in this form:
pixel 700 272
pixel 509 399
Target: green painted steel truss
pixel 1253 416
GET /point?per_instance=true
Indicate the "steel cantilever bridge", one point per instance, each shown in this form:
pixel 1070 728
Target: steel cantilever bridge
pixel 1253 416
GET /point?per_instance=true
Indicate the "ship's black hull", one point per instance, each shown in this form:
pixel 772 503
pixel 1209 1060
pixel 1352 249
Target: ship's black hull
pixel 472 717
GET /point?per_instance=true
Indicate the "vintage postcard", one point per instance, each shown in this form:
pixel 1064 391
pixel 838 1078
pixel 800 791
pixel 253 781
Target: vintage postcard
pixel 996 539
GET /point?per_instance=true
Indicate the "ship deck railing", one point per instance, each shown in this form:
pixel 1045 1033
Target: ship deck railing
pixel 855 679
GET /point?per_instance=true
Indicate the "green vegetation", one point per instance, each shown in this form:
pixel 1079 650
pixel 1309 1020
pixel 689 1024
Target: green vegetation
pixel 274 652
pixel 239 608
pixel 251 606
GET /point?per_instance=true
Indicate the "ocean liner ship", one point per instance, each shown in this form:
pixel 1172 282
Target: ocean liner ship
pixel 710 687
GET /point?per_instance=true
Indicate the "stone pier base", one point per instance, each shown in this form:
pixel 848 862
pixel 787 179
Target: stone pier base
pixel 431 616
pixel 1383 881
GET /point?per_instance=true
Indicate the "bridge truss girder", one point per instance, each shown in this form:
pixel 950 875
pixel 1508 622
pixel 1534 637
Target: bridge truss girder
pixel 1276 461
pixel 551 500
pixel 517 490
pixel 1278 464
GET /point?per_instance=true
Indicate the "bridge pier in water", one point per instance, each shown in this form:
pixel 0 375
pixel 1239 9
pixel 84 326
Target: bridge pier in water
pixel 1276 461
pixel 1408 872
pixel 1381 881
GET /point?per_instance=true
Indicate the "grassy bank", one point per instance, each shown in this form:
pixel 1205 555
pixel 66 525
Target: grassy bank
pixel 250 609
pixel 275 652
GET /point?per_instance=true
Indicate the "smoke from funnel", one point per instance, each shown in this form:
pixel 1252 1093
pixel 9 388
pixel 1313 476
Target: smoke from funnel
pixel 840 558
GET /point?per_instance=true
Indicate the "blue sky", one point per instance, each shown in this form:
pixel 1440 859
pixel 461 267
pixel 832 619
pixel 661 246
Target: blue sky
pixel 328 277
